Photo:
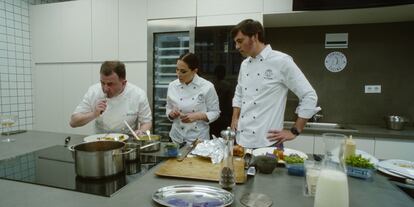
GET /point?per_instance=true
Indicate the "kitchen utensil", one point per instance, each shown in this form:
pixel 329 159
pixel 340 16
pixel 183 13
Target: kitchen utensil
pixel 192 195
pixel 185 152
pixel 199 168
pixel 136 149
pixel 148 134
pixel 99 159
pixel 144 140
pixel 395 122
pixel 265 164
pixel 132 131
pixel 67 140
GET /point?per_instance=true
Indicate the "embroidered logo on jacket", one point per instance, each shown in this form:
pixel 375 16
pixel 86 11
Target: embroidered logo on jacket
pixel 268 74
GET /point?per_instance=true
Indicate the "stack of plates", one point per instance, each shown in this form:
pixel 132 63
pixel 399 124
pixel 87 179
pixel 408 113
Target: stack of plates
pixel 397 168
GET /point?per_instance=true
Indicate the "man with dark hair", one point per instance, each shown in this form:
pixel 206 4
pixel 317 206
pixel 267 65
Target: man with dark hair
pixel 113 101
pixel 260 98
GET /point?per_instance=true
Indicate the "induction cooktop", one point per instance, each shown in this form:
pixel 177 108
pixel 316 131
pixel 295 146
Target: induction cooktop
pixel 55 167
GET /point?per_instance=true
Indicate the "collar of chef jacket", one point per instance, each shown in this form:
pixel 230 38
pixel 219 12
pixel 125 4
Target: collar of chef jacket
pixel 196 81
pixel 263 54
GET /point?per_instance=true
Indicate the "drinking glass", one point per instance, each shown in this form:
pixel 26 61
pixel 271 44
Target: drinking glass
pixel 7 121
pixel 312 171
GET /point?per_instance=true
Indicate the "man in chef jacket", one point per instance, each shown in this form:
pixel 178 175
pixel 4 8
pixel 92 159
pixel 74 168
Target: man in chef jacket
pixel 259 100
pixel 112 101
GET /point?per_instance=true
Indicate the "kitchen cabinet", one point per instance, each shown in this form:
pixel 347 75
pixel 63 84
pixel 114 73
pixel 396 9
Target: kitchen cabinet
pixel 77 78
pixel 303 142
pixel 48 113
pixel 104 30
pixel 162 9
pixel 133 30
pixel 279 6
pixel 394 149
pixel 61 32
pixel 230 12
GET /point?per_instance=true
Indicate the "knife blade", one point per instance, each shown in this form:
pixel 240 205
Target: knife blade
pixel 186 151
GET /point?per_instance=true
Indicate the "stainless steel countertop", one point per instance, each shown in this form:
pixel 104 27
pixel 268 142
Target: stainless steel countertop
pixel 285 190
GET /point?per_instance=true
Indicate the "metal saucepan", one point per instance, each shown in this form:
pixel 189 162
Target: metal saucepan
pixel 136 148
pixel 145 140
pixel 395 122
pixel 99 159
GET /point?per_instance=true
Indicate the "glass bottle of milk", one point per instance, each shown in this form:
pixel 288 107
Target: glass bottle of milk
pixel 332 186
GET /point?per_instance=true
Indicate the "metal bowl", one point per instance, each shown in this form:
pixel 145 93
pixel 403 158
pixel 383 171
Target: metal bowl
pixel 395 122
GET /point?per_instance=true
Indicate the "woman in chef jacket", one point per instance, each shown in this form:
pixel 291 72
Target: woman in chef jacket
pixel 192 102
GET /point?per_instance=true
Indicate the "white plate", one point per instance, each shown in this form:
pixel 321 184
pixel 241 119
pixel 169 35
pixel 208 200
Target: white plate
pixel 101 137
pixel 388 172
pixel 402 167
pixel 286 152
pixel 373 160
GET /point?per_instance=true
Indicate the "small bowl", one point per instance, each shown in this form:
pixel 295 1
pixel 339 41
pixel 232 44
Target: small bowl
pixel 265 164
pixel 296 169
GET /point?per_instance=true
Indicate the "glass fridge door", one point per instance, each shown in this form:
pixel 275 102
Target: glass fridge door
pixel 167 48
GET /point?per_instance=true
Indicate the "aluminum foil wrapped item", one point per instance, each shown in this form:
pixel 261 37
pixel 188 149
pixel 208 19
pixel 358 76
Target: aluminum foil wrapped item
pixel 213 148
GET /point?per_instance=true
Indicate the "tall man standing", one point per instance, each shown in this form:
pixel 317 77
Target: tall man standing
pixel 260 97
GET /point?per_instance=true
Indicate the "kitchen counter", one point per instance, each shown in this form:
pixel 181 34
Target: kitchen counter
pixel 285 190
pixel 368 131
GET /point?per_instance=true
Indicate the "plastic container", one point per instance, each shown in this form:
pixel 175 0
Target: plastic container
pixel 363 173
pixel 296 169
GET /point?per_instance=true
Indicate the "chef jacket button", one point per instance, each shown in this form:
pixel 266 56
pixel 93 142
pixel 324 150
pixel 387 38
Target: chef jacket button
pixel 181 99
pixel 182 87
pixel 196 127
pixel 247 74
pixel 182 128
pixel 192 98
pixel 254 103
pixel 245 88
pixel 242 131
pixel 254 117
pixel 257 89
pixel 242 117
pixel 194 87
pixel 261 59
pixel 253 132
pixel 244 102
pixel 250 61
pixel 258 74
pixel 181 110
pixel 193 110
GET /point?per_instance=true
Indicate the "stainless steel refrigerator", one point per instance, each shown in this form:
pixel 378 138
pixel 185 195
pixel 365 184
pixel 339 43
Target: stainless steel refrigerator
pixel 167 40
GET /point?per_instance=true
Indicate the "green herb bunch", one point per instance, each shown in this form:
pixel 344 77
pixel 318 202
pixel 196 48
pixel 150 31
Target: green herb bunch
pixel 359 161
pixel 293 159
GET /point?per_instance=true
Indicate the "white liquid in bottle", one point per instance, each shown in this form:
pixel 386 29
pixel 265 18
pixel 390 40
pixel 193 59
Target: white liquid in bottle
pixel 332 189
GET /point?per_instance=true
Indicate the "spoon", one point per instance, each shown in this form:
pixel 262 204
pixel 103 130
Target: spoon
pixel 149 134
pixel 132 131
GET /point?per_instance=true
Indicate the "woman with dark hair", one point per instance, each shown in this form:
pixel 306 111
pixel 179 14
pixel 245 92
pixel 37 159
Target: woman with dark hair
pixel 192 102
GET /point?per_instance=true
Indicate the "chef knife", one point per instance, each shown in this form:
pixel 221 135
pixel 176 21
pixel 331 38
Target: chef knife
pixel 186 151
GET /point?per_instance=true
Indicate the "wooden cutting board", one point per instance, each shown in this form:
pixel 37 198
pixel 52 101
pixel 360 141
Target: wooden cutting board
pixel 199 168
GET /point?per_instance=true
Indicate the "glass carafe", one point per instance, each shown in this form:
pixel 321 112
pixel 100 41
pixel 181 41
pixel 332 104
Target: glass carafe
pixel 227 176
pixel 332 185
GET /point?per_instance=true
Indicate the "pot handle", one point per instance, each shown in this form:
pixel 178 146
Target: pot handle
pixel 71 148
pixel 124 153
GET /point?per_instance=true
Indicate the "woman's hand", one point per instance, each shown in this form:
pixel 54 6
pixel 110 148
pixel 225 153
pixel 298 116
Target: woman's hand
pixel 192 117
pixel 174 114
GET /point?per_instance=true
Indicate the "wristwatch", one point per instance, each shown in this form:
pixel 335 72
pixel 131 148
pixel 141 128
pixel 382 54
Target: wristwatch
pixel 294 131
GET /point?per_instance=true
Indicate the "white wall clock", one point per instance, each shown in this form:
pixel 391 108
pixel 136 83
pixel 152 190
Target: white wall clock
pixel 335 61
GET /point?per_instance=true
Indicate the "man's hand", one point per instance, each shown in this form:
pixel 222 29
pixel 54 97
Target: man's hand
pixel 192 117
pixel 234 123
pixel 280 136
pixel 100 107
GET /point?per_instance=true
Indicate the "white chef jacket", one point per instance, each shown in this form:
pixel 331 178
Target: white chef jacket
pixel 261 94
pixel 197 96
pixel 131 105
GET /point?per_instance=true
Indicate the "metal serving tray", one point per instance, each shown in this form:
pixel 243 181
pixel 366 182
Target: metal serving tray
pixel 192 195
